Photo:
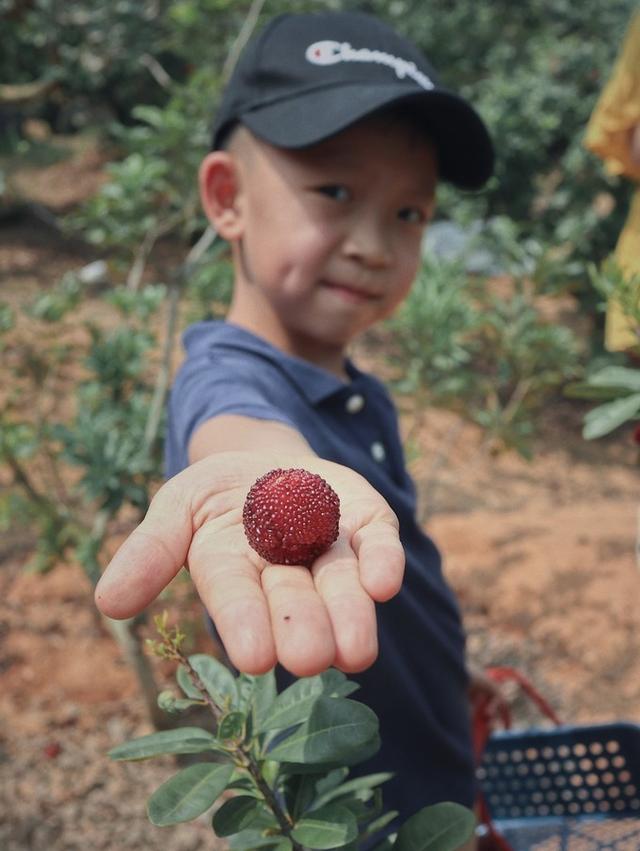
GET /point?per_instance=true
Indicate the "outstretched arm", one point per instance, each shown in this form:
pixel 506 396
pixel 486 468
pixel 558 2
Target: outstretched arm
pixel 305 619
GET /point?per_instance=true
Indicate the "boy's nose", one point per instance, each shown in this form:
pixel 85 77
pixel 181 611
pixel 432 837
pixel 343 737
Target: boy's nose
pixel 369 243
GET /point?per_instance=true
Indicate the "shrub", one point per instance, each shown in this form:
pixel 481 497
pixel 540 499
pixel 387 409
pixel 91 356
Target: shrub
pixel 285 757
pixel 488 355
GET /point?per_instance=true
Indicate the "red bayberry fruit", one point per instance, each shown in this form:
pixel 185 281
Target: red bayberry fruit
pixel 291 516
pixel 636 435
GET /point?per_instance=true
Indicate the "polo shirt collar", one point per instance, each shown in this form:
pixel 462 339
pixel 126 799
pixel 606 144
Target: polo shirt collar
pixel 314 382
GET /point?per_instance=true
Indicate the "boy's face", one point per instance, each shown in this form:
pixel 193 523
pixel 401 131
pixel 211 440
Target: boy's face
pixel 329 237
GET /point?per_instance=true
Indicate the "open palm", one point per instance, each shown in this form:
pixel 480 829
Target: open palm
pixel 305 619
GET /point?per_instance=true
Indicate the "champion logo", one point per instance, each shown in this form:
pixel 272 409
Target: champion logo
pixel 332 52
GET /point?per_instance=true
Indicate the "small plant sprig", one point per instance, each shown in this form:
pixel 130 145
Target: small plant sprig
pixel 172 639
pixel 285 758
pixel 616 388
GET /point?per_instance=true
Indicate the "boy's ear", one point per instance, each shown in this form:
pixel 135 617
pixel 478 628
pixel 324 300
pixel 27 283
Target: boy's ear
pixel 220 193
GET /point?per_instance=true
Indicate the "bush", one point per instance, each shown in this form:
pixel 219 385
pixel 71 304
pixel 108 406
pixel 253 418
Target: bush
pixel 105 435
pixel 488 355
pixel 285 757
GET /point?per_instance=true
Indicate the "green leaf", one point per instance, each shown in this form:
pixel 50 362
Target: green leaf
pixel 189 793
pixel 168 702
pixel 358 784
pixel 336 731
pixel 293 705
pixel 263 697
pixel 442 827
pixel 336 684
pixel 300 793
pixel 240 813
pixel 379 823
pixel 593 392
pixel 182 740
pixel 247 840
pixel 232 727
pixel 150 114
pixel 358 754
pixel 270 768
pixel 359 808
pixel 328 827
pixel 605 418
pixel 331 780
pixel 216 678
pixel 617 376
pixel 244 785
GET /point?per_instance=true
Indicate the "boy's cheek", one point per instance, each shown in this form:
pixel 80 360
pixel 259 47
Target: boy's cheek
pixel 403 290
pixel 410 270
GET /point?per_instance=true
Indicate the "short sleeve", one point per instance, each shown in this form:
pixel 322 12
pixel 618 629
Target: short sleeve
pixel 618 109
pixel 207 386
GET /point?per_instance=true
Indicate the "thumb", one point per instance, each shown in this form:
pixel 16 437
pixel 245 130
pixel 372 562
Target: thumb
pixel 149 558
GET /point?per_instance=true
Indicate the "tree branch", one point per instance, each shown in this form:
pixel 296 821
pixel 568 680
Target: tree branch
pixel 156 70
pixel 242 38
pixel 243 758
pixel 164 373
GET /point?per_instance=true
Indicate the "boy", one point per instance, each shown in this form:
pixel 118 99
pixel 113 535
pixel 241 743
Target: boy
pixel 327 148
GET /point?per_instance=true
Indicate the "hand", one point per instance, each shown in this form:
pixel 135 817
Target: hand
pixel 308 620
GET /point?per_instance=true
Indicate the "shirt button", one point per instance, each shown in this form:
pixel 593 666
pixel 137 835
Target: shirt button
pixel 355 403
pixel 378 451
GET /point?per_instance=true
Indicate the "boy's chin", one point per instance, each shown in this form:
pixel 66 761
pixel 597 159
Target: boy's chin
pixel 328 343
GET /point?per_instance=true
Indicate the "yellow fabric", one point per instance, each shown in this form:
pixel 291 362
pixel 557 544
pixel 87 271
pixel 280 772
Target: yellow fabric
pixel 619 332
pixel 618 110
pixel 615 115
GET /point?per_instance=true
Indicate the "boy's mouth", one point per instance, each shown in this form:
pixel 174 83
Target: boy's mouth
pixel 350 293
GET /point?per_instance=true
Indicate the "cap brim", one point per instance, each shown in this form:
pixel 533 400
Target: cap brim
pixel 465 151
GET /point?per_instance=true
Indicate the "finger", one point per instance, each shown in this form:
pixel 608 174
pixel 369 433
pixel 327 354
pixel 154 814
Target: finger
pixel 301 625
pixel 350 608
pixel 149 558
pixel 228 583
pixel 380 557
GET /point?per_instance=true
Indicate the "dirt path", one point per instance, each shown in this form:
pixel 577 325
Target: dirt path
pixel 542 556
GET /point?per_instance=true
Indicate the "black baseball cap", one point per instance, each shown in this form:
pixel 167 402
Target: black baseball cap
pixel 306 77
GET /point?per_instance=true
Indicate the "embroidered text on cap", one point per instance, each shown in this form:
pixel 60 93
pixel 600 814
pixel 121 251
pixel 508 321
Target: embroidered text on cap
pixel 331 52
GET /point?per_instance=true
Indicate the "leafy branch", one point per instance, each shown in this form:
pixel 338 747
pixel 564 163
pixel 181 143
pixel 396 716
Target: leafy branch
pixel 285 757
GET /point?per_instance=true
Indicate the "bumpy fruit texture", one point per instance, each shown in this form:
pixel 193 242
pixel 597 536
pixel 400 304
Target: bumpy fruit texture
pixel 291 516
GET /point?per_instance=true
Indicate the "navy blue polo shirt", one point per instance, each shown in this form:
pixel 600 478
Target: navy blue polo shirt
pixel 418 685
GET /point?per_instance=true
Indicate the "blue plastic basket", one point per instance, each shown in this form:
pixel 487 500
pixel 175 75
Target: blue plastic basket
pixel 566 788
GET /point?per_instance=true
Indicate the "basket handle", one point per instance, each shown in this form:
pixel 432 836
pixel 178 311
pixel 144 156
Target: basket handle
pixel 484 721
pixel 503 674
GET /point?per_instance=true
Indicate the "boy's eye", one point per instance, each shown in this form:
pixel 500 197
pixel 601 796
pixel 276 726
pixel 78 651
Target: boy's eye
pixel 335 192
pixel 413 215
